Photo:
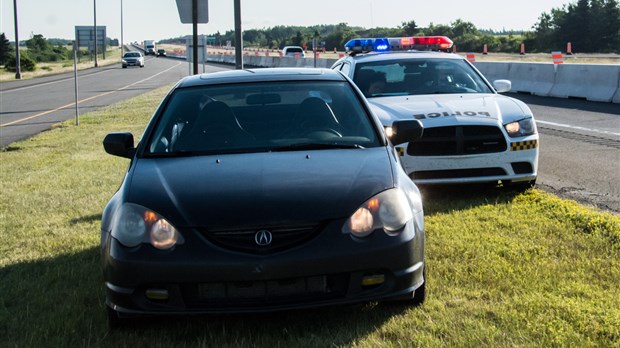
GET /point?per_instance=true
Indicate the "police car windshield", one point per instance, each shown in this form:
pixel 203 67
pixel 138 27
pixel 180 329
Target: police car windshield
pixel 417 76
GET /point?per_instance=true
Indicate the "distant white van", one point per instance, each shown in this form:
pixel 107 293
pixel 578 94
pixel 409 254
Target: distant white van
pixel 290 51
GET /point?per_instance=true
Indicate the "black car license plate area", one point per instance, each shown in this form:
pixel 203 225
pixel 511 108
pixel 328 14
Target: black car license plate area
pixel 250 293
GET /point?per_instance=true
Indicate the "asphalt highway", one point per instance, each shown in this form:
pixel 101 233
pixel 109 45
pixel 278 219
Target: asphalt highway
pixel 579 149
pixel 579 145
pixel 32 106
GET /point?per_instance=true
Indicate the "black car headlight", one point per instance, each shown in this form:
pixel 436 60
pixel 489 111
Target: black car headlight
pixel 135 224
pixel 521 128
pixel 389 210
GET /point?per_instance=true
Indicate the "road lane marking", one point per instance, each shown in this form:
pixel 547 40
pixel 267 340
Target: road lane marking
pixel 86 99
pixel 577 128
pixel 51 82
pixel 56 81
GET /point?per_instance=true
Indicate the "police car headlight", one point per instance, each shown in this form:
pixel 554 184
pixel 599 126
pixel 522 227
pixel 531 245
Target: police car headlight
pixel 135 224
pixel 389 210
pixel 521 128
pixel 124 61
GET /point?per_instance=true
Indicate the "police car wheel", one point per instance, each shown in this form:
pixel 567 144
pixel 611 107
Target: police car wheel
pixel 521 185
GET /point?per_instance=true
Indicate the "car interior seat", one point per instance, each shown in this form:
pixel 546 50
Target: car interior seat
pixel 216 127
pixel 314 115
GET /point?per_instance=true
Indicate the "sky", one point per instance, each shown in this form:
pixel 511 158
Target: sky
pixel 159 19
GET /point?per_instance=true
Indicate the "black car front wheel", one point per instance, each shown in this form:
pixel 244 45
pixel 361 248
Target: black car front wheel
pixel 415 298
pixel 114 321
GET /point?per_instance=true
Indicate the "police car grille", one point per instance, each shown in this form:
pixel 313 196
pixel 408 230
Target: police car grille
pixel 245 240
pixel 458 140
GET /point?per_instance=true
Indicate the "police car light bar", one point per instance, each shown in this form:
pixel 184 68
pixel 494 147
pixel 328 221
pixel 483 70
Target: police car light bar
pixel 428 43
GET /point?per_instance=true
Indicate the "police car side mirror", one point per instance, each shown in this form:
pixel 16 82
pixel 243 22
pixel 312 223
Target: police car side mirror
pixel 406 131
pixel 502 86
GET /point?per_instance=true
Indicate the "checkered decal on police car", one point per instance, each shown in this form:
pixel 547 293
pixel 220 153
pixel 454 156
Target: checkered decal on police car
pixel 524 145
pixel 400 151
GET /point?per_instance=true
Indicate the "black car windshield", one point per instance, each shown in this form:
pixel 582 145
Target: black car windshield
pixel 417 76
pixel 262 116
pixel 131 54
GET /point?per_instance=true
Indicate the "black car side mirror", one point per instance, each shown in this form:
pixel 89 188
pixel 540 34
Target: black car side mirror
pixel 406 131
pixel 119 144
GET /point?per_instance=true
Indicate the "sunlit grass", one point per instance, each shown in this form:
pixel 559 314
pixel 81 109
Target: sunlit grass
pixel 506 269
pixel 113 56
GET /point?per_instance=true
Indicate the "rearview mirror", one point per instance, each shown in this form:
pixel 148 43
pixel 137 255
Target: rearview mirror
pixel 406 131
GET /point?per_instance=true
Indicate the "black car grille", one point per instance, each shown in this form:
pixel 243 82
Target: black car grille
pixel 248 239
pixel 458 140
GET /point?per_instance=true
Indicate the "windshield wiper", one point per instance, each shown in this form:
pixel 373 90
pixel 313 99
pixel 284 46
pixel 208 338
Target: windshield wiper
pixel 316 146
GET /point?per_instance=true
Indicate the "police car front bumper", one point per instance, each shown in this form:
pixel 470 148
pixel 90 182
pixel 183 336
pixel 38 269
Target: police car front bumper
pixel 518 163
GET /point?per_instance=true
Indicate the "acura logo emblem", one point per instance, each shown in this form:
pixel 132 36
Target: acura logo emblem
pixel 263 237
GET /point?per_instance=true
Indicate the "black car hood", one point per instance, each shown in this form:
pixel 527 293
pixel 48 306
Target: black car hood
pixel 259 188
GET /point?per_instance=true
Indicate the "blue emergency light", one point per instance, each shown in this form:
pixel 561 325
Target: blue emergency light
pixel 367 45
pixel 432 43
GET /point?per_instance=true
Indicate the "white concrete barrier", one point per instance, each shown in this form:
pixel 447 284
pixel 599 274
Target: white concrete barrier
pixel 493 70
pixel 593 82
pixel 534 78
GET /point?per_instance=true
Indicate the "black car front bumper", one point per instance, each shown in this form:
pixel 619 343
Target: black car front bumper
pixel 199 277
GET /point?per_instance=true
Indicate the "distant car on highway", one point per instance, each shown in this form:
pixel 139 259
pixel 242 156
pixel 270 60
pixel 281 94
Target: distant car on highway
pixel 161 52
pixel 293 51
pixel 262 190
pixel 133 58
pixel 471 132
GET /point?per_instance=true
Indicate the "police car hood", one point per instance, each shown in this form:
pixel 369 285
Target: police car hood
pixel 449 109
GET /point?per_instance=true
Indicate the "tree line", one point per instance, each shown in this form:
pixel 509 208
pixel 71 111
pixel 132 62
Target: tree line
pixel 39 49
pixel 590 25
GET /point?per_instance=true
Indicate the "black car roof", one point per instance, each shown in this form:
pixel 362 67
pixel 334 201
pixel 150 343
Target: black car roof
pixel 259 75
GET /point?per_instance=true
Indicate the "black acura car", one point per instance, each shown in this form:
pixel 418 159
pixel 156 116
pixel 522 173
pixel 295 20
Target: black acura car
pixel 262 190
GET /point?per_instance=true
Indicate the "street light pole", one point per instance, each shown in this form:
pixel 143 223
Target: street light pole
pixel 18 72
pixel 95 7
pixel 122 42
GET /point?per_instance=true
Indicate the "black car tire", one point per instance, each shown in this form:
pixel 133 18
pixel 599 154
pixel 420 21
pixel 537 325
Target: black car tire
pixel 124 66
pixel 419 296
pixel 415 298
pixel 114 321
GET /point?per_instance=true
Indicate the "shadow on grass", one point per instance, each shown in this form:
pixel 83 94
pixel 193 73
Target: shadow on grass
pixel 447 198
pixel 59 301
pixel 86 219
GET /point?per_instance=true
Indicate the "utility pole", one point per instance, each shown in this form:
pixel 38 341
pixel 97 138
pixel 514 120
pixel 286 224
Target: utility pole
pixel 238 37
pixel 18 72
pixel 195 35
pixel 95 7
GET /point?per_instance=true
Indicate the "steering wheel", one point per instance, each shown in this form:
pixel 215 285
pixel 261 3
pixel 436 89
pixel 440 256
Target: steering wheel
pixel 319 132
